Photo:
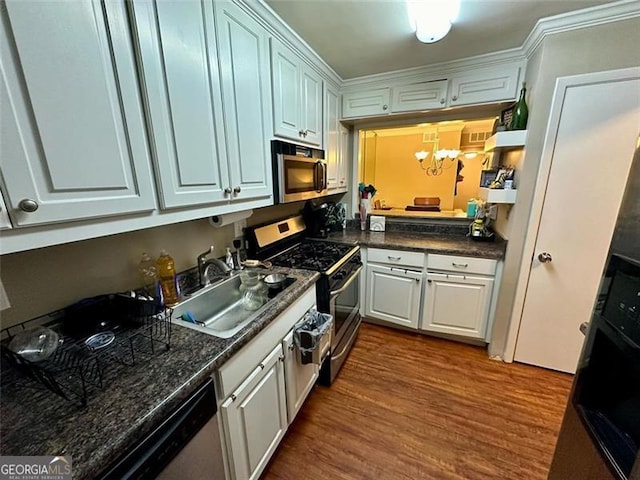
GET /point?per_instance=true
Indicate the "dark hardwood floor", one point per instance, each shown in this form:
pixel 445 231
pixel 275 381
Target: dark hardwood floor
pixel 409 406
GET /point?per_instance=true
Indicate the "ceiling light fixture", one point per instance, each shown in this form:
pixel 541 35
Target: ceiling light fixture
pixel 437 164
pixel 432 19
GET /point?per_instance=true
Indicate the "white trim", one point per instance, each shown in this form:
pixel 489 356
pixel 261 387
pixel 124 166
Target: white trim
pixel 544 170
pixel 588 17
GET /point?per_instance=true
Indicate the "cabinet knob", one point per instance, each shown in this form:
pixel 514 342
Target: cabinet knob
pixel 227 191
pixel 237 190
pixel 442 101
pixel 28 205
pixel 454 98
pixel 301 133
pixel 545 257
pixel 384 107
pixel 306 132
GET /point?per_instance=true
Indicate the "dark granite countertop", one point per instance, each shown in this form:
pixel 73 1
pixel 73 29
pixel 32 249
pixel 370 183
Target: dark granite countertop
pixel 420 241
pixel 34 421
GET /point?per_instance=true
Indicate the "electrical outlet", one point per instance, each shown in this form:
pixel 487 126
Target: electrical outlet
pixel 493 212
pixel 238 226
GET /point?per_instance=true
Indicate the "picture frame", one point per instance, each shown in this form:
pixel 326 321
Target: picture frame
pixel 506 116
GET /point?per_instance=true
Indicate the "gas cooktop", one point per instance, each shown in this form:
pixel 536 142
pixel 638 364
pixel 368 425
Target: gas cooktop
pixel 312 255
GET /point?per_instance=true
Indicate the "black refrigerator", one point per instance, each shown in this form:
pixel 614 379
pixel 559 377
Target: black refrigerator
pixel 600 434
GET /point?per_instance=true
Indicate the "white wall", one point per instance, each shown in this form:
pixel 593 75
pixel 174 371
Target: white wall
pixel 593 49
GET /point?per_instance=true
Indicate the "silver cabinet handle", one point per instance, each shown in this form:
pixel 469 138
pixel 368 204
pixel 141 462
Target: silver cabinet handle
pixel 28 205
pixel 301 133
pixel 262 366
pixel 583 327
pixel 460 265
pixel 227 191
pixel 384 107
pixel 306 132
pixel 454 98
pixel 545 257
pixel 394 259
pixel 291 347
pixel 442 101
pixel 237 190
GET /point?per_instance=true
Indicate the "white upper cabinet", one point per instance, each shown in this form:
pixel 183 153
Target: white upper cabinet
pixel 484 85
pixel 331 135
pixel 243 50
pixel 366 103
pixel 344 158
pixel 297 97
pixel 419 96
pixel 177 52
pixel 73 138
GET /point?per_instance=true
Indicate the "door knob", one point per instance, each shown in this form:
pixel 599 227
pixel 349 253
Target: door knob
pixel 28 205
pixel 545 257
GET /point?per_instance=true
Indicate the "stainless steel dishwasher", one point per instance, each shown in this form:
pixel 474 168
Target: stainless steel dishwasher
pixel 186 445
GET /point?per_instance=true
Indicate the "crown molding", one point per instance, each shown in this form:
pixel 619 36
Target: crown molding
pixel 585 18
pixel 435 71
pixel 265 15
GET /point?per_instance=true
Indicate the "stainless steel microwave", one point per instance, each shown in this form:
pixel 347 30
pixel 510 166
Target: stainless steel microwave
pixel 300 173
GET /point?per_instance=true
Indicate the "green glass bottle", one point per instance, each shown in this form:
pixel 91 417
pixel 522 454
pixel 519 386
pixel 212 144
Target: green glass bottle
pixel 521 112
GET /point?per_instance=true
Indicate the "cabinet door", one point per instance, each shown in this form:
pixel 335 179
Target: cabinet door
pixel 311 106
pixel 366 103
pixel 255 417
pixel 5 221
pixel 287 96
pixel 183 99
pixel 393 295
pixel 332 135
pixel 457 304
pixel 485 85
pixel 344 157
pixel 300 378
pixel 245 76
pixel 419 96
pixel 74 144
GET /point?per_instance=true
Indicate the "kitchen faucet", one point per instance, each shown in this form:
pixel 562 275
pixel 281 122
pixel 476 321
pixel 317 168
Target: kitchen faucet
pixel 205 264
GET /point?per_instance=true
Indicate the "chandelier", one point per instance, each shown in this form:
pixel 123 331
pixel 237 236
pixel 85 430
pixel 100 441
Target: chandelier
pixel 441 160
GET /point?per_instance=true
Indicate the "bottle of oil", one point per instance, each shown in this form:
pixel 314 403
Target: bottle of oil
pixel 167 275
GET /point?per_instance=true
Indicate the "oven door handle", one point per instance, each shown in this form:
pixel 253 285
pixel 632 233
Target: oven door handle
pixel 335 293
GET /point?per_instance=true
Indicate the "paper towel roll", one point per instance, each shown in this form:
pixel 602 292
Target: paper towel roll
pixel 229 218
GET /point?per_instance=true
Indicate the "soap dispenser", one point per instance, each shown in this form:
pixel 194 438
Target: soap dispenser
pixel 228 259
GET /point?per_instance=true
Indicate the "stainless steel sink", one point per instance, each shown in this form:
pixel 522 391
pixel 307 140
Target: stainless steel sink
pixel 217 310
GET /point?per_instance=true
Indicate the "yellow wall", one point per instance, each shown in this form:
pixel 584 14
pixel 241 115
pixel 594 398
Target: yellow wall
pixel 399 177
pixel 468 188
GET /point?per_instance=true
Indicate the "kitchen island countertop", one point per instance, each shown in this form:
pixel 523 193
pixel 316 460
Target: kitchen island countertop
pixel 423 242
pixel 34 421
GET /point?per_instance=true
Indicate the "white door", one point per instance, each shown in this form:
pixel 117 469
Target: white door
pixel 457 304
pixel 73 138
pixel 393 295
pixel 245 76
pixel 592 134
pixel 300 378
pixel 343 157
pixel 183 100
pixel 255 417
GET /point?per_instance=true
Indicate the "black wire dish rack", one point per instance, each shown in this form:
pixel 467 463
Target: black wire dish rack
pixel 135 329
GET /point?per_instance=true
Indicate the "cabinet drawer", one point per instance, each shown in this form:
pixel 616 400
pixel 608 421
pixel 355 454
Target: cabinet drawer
pixel 395 257
pixel 451 263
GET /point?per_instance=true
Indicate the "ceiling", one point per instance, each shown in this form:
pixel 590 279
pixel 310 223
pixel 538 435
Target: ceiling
pixel 363 37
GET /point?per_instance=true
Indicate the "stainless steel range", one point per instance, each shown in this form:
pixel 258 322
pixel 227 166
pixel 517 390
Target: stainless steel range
pixel 285 243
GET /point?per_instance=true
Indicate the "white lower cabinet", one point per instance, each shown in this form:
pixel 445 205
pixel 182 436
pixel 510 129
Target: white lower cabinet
pixel 255 417
pixel 300 378
pixel 457 304
pixel 393 294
